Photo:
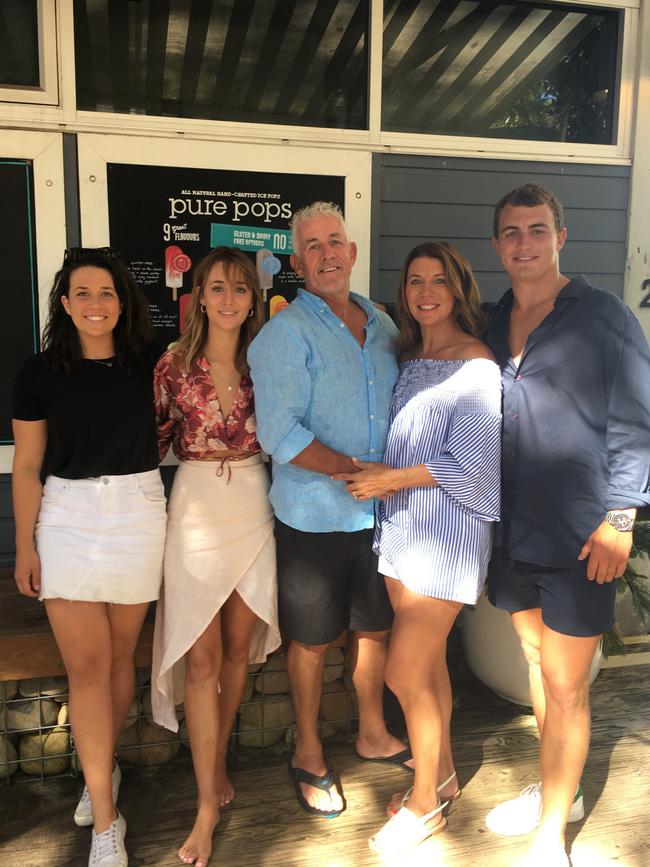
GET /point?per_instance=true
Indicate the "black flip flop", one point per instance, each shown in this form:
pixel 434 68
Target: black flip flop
pixel 300 775
pixel 400 759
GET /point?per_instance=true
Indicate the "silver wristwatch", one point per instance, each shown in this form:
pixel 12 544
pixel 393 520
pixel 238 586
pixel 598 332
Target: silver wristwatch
pixel 620 521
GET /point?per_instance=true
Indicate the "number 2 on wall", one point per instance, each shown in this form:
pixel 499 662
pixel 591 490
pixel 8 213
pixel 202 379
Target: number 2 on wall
pixel 645 287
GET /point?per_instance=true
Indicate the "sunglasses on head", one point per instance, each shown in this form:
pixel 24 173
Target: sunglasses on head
pixel 78 254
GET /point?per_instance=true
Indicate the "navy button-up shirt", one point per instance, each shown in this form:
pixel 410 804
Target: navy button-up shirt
pixel 576 423
pixel 312 380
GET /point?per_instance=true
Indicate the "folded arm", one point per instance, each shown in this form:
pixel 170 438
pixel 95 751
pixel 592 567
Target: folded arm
pixel 283 394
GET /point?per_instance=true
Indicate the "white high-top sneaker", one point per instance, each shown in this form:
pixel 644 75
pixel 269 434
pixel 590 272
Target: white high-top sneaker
pixel 83 815
pixel 107 849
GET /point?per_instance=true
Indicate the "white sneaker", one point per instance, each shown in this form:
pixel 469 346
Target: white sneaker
pixel 107 849
pixel 83 815
pixel 541 854
pixel 523 814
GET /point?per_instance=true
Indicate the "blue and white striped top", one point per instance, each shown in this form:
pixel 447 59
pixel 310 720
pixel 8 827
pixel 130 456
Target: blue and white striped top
pixel 447 415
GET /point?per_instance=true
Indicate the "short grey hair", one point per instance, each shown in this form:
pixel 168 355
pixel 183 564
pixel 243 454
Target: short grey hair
pixel 316 209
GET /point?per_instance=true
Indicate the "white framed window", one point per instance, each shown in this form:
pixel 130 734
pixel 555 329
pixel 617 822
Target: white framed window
pixel 28 68
pixel 548 37
pixel 163 74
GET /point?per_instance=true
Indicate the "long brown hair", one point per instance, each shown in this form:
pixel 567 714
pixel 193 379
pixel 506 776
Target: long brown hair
pixel 132 333
pixel 462 283
pixel 193 339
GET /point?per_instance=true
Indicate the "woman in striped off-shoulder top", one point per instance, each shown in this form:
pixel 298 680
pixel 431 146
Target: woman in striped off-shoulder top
pixel 438 490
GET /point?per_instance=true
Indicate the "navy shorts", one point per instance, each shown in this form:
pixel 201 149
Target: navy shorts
pixel 571 604
pixel 328 582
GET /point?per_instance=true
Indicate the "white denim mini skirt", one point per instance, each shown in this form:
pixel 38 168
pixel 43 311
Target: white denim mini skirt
pixel 102 539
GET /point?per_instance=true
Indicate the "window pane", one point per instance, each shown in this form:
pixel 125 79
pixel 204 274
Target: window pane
pixel 19 43
pixel 271 61
pixel 517 70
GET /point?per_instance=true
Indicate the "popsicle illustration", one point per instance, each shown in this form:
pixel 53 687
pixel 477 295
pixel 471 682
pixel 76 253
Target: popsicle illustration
pixel 265 278
pixel 176 264
pixel 278 302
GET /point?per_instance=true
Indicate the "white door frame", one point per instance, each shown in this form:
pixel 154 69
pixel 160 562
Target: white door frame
pixel 45 150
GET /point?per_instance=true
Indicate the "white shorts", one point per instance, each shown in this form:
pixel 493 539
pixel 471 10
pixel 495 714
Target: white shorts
pixel 102 539
pixel 386 568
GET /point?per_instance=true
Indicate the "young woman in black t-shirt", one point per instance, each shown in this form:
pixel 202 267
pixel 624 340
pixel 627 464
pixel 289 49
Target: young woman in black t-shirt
pixel 89 541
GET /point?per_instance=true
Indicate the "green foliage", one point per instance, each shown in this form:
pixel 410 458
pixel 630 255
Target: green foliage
pixel 638 585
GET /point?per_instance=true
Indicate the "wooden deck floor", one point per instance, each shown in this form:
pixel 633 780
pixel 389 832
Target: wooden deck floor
pixel 496 756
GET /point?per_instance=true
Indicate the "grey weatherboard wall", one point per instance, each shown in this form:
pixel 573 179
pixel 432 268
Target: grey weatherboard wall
pixel 420 198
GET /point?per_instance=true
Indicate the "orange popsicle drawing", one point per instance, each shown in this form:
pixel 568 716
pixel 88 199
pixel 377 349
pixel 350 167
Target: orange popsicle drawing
pixel 176 264
pixel 277 303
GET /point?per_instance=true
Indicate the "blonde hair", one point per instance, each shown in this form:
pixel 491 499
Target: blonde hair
pixel 462 283
pixel 316 209
pixel 192 341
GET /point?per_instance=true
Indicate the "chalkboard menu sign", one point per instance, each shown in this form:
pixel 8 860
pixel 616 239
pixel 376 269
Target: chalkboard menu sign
pixel 19 320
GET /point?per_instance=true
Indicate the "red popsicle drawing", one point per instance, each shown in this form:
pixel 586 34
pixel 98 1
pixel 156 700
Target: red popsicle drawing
pixel 176 264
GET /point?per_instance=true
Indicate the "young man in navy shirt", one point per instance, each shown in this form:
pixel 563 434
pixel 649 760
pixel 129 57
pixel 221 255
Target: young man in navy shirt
pixel 576 457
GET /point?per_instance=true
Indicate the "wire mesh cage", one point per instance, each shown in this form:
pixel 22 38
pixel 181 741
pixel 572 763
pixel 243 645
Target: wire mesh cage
pixel 36 741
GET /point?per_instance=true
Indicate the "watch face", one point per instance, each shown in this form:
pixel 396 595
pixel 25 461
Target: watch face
pixel 620 522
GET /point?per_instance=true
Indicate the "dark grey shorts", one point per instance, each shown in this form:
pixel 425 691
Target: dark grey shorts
pixel 571 604
pixel 328 582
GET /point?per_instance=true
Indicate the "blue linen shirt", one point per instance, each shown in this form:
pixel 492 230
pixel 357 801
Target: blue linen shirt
pixel 576 423
pixel 312 380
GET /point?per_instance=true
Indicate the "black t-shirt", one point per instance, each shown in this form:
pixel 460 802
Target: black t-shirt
pixel 100 419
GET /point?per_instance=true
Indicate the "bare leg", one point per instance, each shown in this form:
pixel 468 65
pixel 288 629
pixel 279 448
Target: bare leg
pixel 82 633
pixel 305 668
pixel 368 662
pixel 202 667
pixel 528 625
pixel 418 642
pixel 566 662
pixel 442 687
pixel 125 622
pixel 237 627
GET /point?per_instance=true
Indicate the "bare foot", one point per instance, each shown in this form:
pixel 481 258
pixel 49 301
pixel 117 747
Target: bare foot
pixel 396 802
pixel 198 846
pixel 225 790
pixel 327 801
pixel 381 747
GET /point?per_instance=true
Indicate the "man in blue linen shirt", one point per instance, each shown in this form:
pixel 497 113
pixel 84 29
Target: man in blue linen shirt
pixel 323 370
pixel 576 458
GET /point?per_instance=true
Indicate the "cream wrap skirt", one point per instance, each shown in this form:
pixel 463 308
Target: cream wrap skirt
pixel 219 538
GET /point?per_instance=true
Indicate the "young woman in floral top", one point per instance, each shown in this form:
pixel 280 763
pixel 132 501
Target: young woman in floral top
pixel 218 608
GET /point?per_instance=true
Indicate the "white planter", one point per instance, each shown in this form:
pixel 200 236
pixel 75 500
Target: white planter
pixel 494 654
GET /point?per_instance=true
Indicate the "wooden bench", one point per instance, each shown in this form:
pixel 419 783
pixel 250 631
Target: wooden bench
pixel 27 646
